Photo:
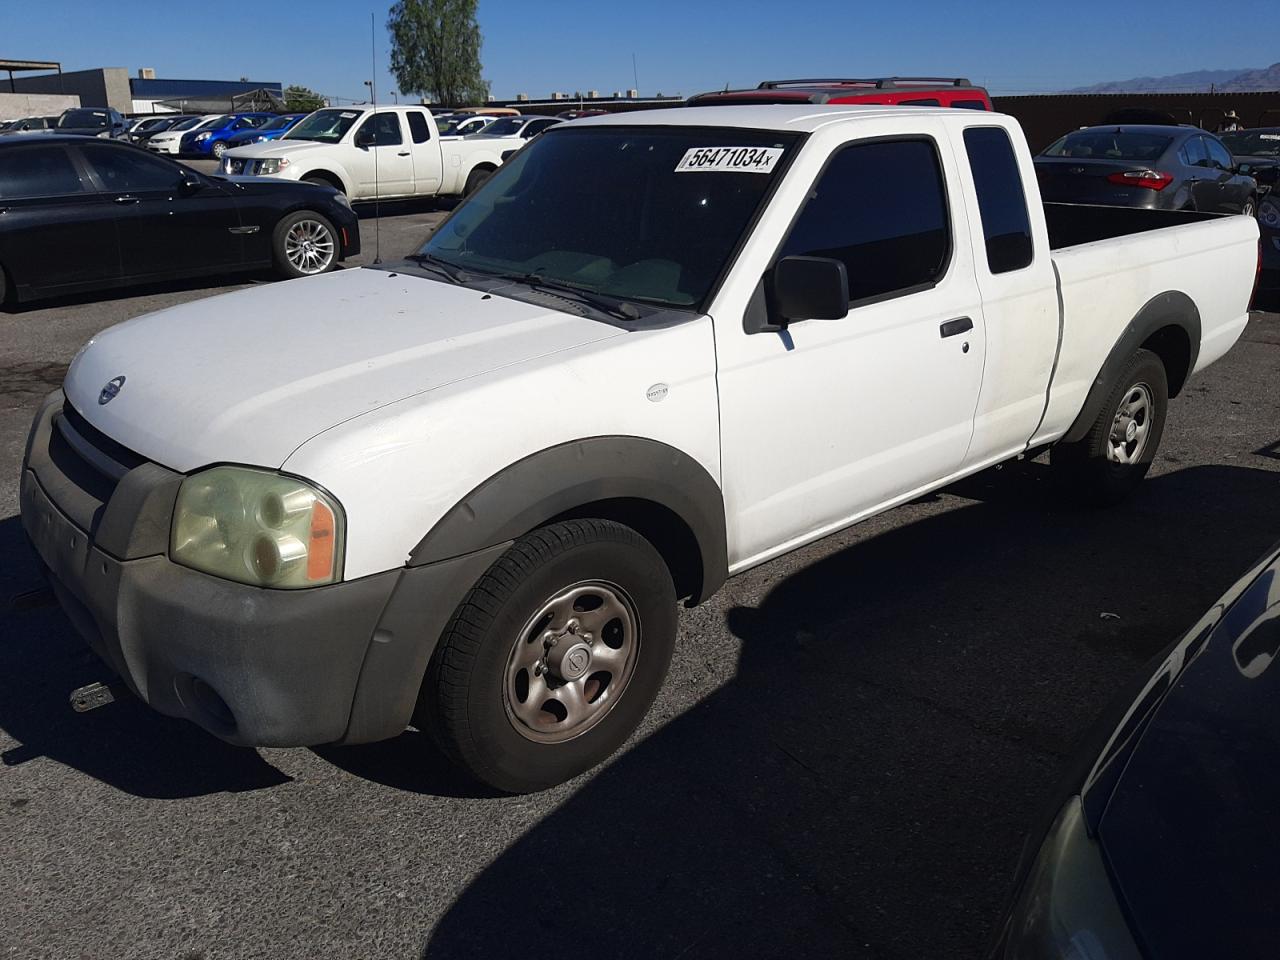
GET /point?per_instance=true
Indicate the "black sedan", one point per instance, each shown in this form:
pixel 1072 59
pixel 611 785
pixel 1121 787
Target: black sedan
pixel 1160 168
pixel 80 214
pixel 1257 152
pixel 1167 846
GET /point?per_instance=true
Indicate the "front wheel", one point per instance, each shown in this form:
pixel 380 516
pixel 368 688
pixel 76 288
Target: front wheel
pixel 218 150
pixel 1249 208
pixel 1104 466
pixel 304 244
pixel 554 657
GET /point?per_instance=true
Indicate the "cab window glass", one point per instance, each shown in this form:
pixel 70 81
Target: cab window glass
pixel 419 129
pixel 881 208
pixel 1002 204
pixel 385 128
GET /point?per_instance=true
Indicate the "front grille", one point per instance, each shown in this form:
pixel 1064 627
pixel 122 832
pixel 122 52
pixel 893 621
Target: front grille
pixel 87 457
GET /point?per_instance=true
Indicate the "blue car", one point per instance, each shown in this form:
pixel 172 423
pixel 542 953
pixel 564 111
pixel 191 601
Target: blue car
pixel 273 129
pixel 211 139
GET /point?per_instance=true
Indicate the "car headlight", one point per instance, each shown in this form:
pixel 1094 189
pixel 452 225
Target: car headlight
pixel 257 527
pixel 1269 214
pixel 1067 909
pixel 272 165
pixel 203 136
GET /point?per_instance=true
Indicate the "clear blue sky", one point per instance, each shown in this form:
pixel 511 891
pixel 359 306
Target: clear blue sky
pixel 680 47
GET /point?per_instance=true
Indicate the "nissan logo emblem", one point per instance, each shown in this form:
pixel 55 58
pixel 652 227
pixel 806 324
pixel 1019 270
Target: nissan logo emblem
pixel 111 390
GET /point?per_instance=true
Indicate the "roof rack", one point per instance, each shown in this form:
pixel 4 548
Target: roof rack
pixel 880 83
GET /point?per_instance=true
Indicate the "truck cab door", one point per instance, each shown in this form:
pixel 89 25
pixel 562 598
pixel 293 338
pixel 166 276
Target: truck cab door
pixel 827 420
pixel 1018 288
pixel 428 161
pixel 386 167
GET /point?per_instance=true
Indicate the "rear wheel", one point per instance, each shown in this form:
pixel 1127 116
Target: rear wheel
pixel 474 180
pixel 304 244
pixel 1104 466
pixel 554 657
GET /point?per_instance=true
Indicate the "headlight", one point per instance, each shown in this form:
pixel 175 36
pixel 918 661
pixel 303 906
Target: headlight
pixel 1067 909
pixel 1269 214
pixel 257 527
pixel 272 165
pixel 203 136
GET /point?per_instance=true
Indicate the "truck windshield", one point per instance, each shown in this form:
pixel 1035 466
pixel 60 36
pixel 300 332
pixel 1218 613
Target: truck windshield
pixel 324 126
pixel 1110 145
pixel 648 214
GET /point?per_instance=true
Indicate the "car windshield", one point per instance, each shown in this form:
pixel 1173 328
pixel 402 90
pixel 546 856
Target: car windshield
pixel 448 126
pixel 150 124
pixel 277 123
pixel 84 119
pixel 1253 143
pixel 186 124
pixel 216 122
pixel 504 127
pixel 645 214
pixel 324 126
pixel 1110 145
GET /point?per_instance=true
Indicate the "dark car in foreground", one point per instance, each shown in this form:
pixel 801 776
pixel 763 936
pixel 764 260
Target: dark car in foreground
pixel 1155 167
pixel 1257 153
pixel 88 214
pixel 1166 846
pixel 91 122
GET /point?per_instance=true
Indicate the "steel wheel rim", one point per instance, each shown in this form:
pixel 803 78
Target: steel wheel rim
pixel 1131 426
pixel 309 246
pixel 571 662
pixel 218 150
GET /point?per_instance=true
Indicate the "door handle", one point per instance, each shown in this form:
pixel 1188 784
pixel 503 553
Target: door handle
pixel 403 153
pixel 956 327
pixel 127 198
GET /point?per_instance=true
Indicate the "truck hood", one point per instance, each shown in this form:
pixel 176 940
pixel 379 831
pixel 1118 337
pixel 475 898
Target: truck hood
pixel 281 148
pixel 250 376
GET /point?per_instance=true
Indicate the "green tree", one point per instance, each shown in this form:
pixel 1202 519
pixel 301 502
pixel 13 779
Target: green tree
pixel 301 100
pixel 435 50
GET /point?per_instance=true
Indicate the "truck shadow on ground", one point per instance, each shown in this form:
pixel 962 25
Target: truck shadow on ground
pixel 901 711
pixel 124 744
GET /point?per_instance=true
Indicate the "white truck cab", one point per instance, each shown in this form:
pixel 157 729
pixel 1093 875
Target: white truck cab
pixel 652 351
pixel 393 152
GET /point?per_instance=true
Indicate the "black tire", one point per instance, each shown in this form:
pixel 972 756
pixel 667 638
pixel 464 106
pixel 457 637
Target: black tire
pixel 285 266
pixel 474 181
pixel 1084 469
pixel 464 702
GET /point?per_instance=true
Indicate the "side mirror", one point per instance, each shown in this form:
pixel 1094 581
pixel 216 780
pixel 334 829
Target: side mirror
pixel 810 288
pixel 365 138
pixel 189 183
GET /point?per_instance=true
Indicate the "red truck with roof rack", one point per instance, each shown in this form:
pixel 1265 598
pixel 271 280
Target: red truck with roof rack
pixel 908 91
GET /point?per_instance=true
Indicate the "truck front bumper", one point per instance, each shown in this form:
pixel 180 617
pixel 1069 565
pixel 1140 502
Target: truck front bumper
pixel 257 667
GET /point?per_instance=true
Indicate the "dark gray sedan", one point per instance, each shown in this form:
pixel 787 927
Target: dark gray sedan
pixel 1159 168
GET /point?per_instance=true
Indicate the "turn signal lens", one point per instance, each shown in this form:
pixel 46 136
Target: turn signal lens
pixel 257 527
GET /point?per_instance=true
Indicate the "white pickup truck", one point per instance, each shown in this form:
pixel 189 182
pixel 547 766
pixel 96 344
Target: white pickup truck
pixel 389 154
pixel 652 351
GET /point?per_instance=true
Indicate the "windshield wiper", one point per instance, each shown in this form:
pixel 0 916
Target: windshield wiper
pixel 442 267
pixel 619 310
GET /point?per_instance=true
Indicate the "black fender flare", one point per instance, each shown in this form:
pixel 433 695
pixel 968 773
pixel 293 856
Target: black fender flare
pixel 1170 309
pixel 565 478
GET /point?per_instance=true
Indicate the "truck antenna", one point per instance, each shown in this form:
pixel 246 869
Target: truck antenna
pixel 377 192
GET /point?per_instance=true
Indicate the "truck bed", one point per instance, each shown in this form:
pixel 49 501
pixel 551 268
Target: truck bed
pixel 1071 224
pixel 1111 262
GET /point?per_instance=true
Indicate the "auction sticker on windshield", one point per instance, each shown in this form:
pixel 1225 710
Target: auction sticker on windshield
pixel 729 160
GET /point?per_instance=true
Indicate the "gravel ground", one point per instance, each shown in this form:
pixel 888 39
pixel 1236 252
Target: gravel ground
pixel 852 744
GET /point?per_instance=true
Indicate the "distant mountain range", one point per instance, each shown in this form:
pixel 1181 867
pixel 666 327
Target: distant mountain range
pixel 1198 81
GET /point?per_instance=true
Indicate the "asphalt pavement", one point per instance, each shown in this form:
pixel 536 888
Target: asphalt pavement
pixel 851 745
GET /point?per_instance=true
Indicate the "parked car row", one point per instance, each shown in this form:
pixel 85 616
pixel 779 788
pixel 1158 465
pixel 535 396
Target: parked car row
pixel 81 214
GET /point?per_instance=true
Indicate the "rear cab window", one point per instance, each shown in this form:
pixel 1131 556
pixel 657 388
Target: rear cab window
pixel 881 208
pixel 419 129
pixel 1002 203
